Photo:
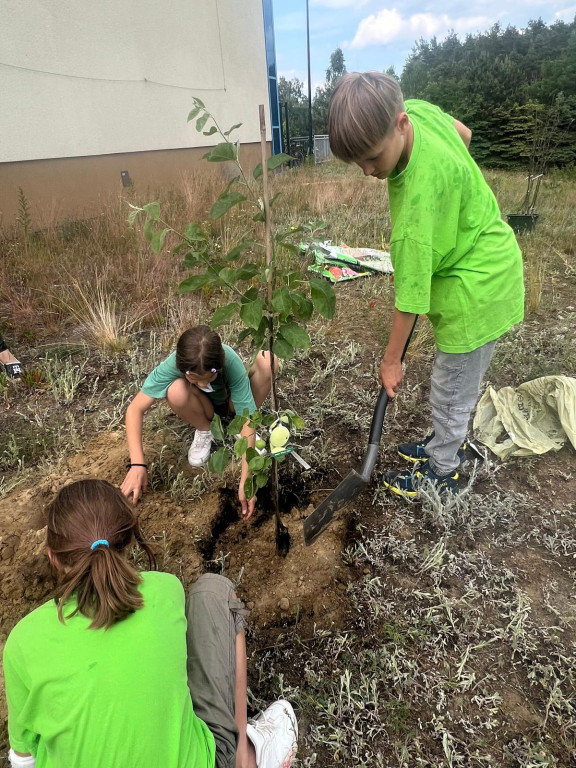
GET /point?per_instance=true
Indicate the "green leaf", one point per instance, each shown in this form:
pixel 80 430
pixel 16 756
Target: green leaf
pixel 210 131
pixel 193 283
pixel 240 446
pixel 149 229
pixel 259 334
pixel 295 335
pixel 251 313
pixel 157 240
pixel 260 216
pixel 250 295
pixel 282 349
pixel 219 460
pixel 277 160
pixel 201 122
pixel 294 279
pixel 152 210
pixel 236 425
pixel 256 464
pixel 238 250
pixel 194 233
pixel 134 213
pixel 224 203
pixel 193 113
pixel 229 131
pixel 249 489
pixel 198 102
pixel 192 258
pixel 243 335
pixel 223 314
pixel 271 164
pixel 297 422
pixel 221 153
pixel 290 247
pixel 323 298
pixel 228 275
pixel 281 301
pixel 261 479
pixel 251 453
pixel 216 428
pixel 247 272
pixel 301 306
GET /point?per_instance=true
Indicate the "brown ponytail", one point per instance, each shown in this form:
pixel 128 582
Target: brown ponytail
pixel 104 584
pixel 199 350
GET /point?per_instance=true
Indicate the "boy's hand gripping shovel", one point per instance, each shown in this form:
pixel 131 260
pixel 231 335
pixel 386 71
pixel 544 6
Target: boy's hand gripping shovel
pixel 356 482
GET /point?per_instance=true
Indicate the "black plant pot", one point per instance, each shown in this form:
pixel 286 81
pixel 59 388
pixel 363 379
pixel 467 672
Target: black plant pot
pixel 522 222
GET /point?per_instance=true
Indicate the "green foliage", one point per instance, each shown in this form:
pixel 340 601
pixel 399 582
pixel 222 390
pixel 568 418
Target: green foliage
pixel 509 86
pixel 291 93
pixel 273 304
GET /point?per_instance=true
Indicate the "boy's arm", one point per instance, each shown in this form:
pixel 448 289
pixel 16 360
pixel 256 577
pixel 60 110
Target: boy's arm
pixel 464 132
pixel 390 375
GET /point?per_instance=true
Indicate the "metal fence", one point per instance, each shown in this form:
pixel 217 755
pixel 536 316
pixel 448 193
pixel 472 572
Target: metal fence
pixel 299 149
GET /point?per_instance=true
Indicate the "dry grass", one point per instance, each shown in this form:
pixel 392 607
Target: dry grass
pixel 103 251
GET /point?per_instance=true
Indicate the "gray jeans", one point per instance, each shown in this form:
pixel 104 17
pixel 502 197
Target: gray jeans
pixel 454 389
pixel 215 617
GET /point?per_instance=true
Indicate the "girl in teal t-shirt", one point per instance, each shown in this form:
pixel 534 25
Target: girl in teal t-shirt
pixel 106 673
pixel 201 378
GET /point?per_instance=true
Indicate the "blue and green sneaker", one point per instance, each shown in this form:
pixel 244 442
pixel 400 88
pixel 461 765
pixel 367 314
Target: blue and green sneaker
pixel 416 451
pixel 407 484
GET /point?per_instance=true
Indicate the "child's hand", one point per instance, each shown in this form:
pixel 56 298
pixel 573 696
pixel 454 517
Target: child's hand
pixel 390 376
pixel 247 507
pixel 135 483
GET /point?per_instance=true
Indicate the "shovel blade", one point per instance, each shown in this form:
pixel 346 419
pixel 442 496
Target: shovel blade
pixel 339 499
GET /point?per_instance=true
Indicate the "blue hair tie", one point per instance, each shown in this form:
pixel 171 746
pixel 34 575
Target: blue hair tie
pixel 99 542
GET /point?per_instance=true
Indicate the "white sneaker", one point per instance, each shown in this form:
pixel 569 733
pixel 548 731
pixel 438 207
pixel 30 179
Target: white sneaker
pixel 199 451
pixel 259 451
pixel 274 734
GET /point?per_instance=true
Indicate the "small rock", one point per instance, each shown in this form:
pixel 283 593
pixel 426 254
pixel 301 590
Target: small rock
pixel 284 604
pixel 366 571
pixel 250 605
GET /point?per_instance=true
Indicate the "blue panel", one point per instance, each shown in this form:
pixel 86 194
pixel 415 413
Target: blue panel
pixel 276 130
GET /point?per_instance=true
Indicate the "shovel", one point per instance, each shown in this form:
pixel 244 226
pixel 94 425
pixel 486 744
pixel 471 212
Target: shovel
pixel 356 482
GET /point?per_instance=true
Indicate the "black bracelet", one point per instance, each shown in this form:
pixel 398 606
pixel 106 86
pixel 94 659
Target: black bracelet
pixel 130 465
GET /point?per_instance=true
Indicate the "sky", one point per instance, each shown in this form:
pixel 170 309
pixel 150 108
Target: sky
pixel 375 34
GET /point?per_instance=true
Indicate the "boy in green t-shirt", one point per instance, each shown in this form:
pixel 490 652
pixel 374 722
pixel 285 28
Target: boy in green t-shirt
pixel 454 257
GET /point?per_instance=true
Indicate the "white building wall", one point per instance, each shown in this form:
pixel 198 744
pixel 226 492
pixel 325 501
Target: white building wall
pixel 96 77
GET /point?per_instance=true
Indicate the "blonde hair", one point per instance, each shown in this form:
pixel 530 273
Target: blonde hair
pixel 362 111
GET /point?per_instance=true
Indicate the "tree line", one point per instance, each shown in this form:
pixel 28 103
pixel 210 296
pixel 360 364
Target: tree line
pixel 515 88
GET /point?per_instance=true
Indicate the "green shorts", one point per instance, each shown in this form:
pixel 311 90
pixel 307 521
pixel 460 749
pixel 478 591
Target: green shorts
pixel 215 617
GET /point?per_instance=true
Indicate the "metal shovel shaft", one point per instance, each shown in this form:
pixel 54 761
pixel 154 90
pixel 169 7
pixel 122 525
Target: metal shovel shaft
pixel 355 482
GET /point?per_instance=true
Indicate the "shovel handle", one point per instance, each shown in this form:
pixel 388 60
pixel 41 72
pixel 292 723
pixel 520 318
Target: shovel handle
pixel 382 402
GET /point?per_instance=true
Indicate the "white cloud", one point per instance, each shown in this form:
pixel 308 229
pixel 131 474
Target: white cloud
pixel 388 25
pixel 566 14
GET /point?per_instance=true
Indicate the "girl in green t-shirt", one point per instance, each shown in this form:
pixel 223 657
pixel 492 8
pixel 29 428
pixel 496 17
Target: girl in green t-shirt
pixel 117 671
pixel 202 377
